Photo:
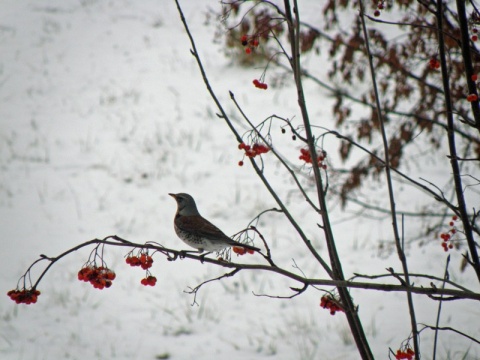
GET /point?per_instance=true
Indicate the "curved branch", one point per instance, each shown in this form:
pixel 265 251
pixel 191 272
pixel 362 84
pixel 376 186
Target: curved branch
pixel 173 255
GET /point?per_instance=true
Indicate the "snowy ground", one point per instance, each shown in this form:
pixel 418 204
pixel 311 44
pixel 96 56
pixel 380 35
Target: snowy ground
pixel 102 114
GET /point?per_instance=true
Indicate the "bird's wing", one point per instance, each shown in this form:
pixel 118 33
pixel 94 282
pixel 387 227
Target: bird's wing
pixel 201 227
pixel 205 229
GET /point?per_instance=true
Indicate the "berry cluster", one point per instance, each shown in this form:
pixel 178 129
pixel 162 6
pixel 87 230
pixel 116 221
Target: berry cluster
pixel 149 280
pixel 251 42
pixel 307 157
pixel 24 296
pixel 100 277
pixel 241 250
pixel 447 236
pixel 329 302
pixel 474 37
pixel 407 354
pixel 253 150
pixel 472 97
pixel 145 261
pixel 380 6
pixel 434 64
pixel 260 85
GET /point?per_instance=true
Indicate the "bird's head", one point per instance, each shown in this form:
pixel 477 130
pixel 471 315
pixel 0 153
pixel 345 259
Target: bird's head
pixel 185 204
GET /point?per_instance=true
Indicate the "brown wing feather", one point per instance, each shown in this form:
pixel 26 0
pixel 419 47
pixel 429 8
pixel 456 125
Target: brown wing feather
pixel 201 227
pixel 205 229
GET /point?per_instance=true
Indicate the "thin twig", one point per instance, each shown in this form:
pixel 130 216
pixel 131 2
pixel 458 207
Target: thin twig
pixel 400 250
pixel 448 328
pixel 195 290
pixel 437 321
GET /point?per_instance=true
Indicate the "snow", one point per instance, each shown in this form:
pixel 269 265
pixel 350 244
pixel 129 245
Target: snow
pixel 103 112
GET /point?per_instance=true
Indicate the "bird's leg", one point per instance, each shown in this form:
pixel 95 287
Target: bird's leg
pixel 202 257
pixel 182 253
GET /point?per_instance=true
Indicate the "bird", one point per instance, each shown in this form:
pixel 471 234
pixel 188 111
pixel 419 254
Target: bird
pixel 198 232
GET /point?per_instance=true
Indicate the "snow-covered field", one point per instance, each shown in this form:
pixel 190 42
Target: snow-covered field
pixel 102 113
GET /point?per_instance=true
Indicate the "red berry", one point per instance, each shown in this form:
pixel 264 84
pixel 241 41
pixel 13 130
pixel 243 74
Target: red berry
pixel 376 13
pixel 474 77
pixel 244 40
pixel 248 51
pixel 240 163
pixel 251 153
pixel 239 250
pixel 474 30
pixel 454 217
pixel 110 275
pixel 149 281
pixel 474 37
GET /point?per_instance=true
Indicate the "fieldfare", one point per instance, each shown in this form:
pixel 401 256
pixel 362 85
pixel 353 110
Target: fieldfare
pixel 198 232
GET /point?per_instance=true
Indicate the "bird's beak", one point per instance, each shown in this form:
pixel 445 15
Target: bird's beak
pixel 173 195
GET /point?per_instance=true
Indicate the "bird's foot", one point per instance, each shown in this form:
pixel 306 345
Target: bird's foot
pixel 182 253
pixel 202 257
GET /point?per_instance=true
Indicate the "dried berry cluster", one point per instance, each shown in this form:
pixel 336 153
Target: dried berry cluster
pixel 447 236
pixel 100 277
pixel 241 250
pixel 329 302
pixel 407 354
pixel 307 157
pixel 24 296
